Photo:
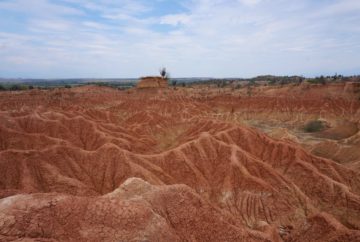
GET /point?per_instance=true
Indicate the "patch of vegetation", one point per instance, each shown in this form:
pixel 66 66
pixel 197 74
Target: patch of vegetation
pixel 319 80
pixel 272 82
pixel 314 126
pixel 16 87
pixel 116 85
pixel 19 85
pixel 221 84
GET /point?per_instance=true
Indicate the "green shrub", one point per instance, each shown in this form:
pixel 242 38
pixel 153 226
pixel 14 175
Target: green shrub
pixel 318 80
pixel 15 87
pixel 272 82
pixel 314 126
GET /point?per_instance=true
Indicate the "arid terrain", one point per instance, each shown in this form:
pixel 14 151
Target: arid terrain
pixel 181 164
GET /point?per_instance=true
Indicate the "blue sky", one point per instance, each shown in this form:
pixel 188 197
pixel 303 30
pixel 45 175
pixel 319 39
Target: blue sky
pixel 212 38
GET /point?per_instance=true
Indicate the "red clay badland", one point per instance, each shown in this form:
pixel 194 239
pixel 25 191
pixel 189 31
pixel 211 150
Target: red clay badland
pixel 186 164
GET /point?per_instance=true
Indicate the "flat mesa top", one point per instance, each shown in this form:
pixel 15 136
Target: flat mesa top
pixel 152 82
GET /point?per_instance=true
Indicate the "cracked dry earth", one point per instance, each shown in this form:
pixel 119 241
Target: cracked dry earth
pixel 98 164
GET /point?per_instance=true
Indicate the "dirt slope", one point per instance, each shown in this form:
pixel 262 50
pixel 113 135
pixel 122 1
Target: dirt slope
pixel 73 154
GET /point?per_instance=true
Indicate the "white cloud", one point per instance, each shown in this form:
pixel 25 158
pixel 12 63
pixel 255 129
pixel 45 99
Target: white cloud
pixel 49 25
pixel 95 25
pixel 39 8
pixel 175 19
pixel 338 8
pixel 209 38
pixel 250 2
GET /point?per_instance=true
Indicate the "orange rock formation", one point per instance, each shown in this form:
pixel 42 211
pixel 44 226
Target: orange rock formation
pixel 152 82
pixel 98 164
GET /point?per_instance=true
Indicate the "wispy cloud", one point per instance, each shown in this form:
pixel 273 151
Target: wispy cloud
pixel 78 38
pixel 38 8
pixel 250 2
pixel 175 19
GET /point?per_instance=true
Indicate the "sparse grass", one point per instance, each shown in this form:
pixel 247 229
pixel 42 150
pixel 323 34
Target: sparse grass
pixel 314 126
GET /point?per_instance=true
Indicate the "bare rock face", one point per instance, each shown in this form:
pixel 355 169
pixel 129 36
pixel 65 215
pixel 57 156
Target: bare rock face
pixel 152 82
pixel 98 164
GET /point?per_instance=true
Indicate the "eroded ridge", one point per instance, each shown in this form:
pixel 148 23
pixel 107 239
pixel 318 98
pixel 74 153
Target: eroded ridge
pixel 95 163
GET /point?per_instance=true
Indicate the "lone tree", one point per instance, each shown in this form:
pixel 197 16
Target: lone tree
pixel 163 73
